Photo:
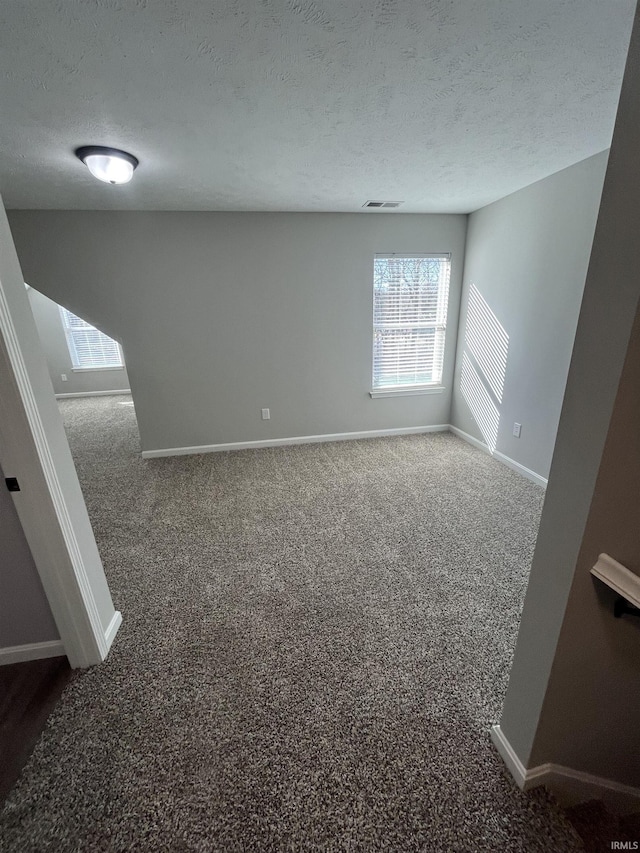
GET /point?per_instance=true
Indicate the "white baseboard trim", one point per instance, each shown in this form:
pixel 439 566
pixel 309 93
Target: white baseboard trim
pixel 572 786
pixel 31 651
pixel 506 460
pixel 521 469
pixel 344 436
pixel 470 439
pixel 93 393
pixel 112 630
pixel 300 439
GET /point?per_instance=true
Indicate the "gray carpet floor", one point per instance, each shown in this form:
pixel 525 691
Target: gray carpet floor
pixel 316 640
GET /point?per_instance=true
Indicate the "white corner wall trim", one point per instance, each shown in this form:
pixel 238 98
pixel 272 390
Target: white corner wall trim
pixel 67 585
pixel 31 651
pixel 93 393
pixel 508 755
pixel 556 774
pixel 501 457
pixel 282 442
pixel 112 629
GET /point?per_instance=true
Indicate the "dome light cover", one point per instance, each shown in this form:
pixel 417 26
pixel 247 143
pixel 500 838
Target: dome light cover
pixel 108 164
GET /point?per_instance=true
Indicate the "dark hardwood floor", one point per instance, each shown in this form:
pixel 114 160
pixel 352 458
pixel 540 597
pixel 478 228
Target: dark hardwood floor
pixel 28 694
pixel 598 826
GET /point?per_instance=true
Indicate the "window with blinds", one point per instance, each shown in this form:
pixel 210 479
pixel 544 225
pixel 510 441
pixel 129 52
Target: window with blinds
pixel 410 296
pixel 89 349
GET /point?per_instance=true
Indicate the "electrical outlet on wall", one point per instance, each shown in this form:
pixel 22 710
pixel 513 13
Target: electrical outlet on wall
pixel 63 376
pixel 266 415
pixel 516 430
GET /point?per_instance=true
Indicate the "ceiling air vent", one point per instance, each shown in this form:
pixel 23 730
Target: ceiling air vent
pixel 382 203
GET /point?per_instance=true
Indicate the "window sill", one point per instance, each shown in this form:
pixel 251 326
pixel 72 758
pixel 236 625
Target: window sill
pixel 406 392
pixel 91 369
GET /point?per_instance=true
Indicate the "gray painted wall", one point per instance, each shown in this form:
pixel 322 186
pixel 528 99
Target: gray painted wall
pixel 222 314
pixel 527 255
pixel 565 629
pixel 25 616
pixel 46 313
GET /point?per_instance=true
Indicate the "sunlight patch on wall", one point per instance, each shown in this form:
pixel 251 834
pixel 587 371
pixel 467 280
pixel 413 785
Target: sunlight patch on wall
pixel 487 341
pixel 484 365
pixel 483 409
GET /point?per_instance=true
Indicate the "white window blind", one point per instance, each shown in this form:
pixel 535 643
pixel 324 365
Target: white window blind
pixel 89 348
pixel 410 296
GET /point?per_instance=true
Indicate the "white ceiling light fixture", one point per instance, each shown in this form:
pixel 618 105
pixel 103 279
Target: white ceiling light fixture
pixel 108 164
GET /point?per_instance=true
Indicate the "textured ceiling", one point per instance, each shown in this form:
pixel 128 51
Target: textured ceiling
pixel 304 104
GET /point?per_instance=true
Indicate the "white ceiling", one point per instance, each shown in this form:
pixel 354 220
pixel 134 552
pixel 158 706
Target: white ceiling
pixel 315 105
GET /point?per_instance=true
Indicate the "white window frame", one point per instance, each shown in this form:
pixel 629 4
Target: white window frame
pixel 439 324
pixel 78 364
